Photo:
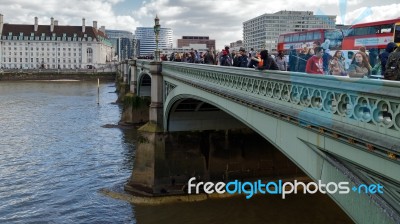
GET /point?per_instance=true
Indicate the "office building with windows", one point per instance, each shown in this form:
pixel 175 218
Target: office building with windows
pixel 262 32
pixel 122 42
pixel 146 40
pixel 187 40
pixel 53 46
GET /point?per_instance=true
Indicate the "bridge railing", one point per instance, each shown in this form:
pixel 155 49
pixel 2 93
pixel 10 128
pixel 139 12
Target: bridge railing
pixel 364 107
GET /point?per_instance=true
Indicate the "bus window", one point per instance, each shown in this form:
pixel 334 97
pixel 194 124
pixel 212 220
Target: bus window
pixel 396 35
pixel 387 28
pixel 310 36
pixel 302 37
pixel 335 37
pixel 295 37
pixel 317 35
pixel 348 32
pixel 365 31
pixel 287 38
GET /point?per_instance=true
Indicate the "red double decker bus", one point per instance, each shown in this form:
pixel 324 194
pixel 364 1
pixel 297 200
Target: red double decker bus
pixel 299 40
pixel 370 35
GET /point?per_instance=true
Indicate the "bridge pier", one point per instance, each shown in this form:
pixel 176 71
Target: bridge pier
pixel 135 109
pixel 164 162
pixel 133 76
pixel 156 115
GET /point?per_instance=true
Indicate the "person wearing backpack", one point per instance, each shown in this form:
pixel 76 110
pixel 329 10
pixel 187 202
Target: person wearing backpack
pixel 392 71
pixel 225 60
pixel 390 47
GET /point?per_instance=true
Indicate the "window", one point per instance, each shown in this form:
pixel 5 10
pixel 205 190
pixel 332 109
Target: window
pixel 387 28
pixel 397 34
pixel 317 35
pixel 295 37
pixel 364 31
pixel 310 36
pixel 302 37
pixel 89 53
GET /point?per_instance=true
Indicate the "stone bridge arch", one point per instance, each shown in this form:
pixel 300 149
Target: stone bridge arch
pixel 144 84
pixel 311 151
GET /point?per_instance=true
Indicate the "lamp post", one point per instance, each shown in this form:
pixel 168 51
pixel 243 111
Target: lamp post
pixel 157 32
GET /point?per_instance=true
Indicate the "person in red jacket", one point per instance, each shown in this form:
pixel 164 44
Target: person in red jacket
pixel 315 64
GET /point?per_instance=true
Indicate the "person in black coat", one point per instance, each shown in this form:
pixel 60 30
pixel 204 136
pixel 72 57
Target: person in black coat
pixel 293 60
pixel 268 62
pixel 390 47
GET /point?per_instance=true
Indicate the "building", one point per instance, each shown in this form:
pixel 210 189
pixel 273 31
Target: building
pixel 235 46
pixel 199 47
pixel 53 46
pixel 122 42
pixel 146 40
pixel 263 31
pixel 186 40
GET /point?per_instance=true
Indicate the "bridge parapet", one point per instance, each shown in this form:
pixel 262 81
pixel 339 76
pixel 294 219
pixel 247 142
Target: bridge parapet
pixel 360 111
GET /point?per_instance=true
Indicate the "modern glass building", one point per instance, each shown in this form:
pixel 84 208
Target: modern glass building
pixel 262 32
pixel 122 42
pixel 146 39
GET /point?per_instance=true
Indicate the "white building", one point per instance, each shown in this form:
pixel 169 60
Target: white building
pixel 235 46
pixel 199 47
pixel 53 46
pixel 263 31
pixel 146 39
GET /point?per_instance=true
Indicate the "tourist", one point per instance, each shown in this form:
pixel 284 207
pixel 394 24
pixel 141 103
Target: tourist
pixel 337 64
pixel 360 67
pixel 315 64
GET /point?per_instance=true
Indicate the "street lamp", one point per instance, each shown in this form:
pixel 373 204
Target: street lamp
pixel 157 32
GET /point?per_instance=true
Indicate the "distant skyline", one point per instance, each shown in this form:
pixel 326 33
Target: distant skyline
pixel 220 20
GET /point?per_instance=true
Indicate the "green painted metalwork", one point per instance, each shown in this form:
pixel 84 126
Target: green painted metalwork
pixel 334 128
pixel 372 106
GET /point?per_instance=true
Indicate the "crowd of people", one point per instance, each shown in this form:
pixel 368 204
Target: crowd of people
pixel 315 60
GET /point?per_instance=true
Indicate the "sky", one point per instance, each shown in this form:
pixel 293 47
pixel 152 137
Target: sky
pixel 221 20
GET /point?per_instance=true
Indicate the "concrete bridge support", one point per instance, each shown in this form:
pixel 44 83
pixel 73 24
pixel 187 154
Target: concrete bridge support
pixel 156 115
pixel 133 76
pixel 165 162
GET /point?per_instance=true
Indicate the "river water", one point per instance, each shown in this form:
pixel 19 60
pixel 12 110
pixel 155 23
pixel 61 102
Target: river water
pixel 55 156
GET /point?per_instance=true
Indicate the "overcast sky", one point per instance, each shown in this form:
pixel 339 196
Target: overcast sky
pixel 221 20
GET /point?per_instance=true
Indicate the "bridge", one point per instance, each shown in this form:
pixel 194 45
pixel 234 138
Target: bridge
pixel 333 128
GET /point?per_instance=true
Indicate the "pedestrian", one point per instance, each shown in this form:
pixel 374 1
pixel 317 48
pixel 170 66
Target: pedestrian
pixel 293 57
pixel 209 58
pixel 281 61
pixel 326 58
pixel 302 59
pixel 390 47
pixel 360 67
pixel 268 62
pixel 242 59
pixel 392 71
pixel 337 64
pixel 225 59
pixel 315 64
